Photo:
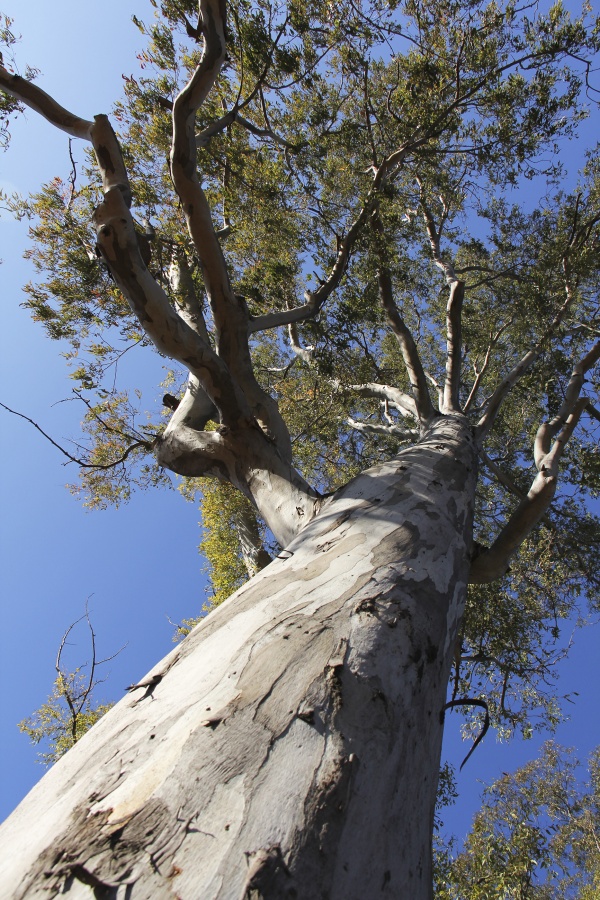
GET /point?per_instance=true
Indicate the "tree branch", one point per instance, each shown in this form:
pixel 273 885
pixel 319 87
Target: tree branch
pixel 593 412
pixel 230 314
pixel 316 299
pixel 303 353
pixel 185 176
pixel 410 354
pixel 405 434
pixel 516 373
pixel 454 347
pixel 450 402
pixel 253 552
pixel 550 443
pixel 404 404
pixel 494 338
pixel 549 430
pixel 186 296
pixel 45 105
pixel 147 445
pixel 171 335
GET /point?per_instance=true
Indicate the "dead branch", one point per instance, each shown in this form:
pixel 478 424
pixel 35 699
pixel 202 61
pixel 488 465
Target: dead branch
pixel 147 445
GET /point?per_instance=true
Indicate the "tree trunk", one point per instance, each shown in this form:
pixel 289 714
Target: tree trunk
pixel 290 746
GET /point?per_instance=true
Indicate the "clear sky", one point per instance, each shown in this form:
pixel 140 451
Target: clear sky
pixel 139 564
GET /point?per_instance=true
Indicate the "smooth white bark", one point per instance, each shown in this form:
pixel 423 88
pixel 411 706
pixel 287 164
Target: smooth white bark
pixel 290 746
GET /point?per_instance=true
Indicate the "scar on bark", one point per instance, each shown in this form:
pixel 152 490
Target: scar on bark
pixel 267 875
pixel 170 402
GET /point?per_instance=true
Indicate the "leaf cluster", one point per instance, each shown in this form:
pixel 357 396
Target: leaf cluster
pixel 535 836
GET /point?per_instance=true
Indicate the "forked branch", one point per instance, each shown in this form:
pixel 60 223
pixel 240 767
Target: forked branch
pixel 77 696
pixel 450 401
pixel 480 372
pixel 118 243
pixel 492 407
pixel 401 402
pixel 410 354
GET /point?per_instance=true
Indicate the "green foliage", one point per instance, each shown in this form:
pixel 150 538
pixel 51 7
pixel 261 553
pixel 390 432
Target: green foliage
pixel 227 518
pixel 221 505
pixel 535 837
pixel 516 630
pixel 116 444
pixel 8 105
pixel 71 709
pixel 64 717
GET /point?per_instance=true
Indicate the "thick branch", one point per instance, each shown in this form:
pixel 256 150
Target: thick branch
pixel 109 157
pixel 117 240
pixel 195 408
pixel 226 312
pixel 494 563
pixel 410 354
pixel 284 316
pixel 454 347
pixel 230 313
pixel 170 334
pixel 215 377
pixel 405 434
pixel 186 296
pixel 45 105
pixel 516 373
pixel 253 552
pixel 303 353
pixel 404 404
pixel 450 402
pixel 283 497
pixel 550 443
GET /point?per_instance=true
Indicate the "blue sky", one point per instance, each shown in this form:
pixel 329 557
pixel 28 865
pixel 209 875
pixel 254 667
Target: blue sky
pixel 139 564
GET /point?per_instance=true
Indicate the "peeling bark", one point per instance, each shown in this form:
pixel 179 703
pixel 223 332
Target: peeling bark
pixel 278 751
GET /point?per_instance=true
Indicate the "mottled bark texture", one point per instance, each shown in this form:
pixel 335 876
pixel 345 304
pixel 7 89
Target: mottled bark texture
pixel 281 748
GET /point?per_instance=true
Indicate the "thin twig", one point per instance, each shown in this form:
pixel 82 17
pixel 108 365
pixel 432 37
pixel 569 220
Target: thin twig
pixel 84 465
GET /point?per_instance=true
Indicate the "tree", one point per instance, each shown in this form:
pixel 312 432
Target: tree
pixel 71 709
pixel 367 164
pixel 536 836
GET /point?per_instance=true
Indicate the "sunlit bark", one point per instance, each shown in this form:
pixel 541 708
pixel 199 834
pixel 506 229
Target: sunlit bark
pixel 282 745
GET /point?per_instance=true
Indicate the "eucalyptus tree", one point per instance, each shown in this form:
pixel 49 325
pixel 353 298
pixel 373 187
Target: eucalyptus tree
pixel 535 837
pixel 353 229
pixel 72 707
